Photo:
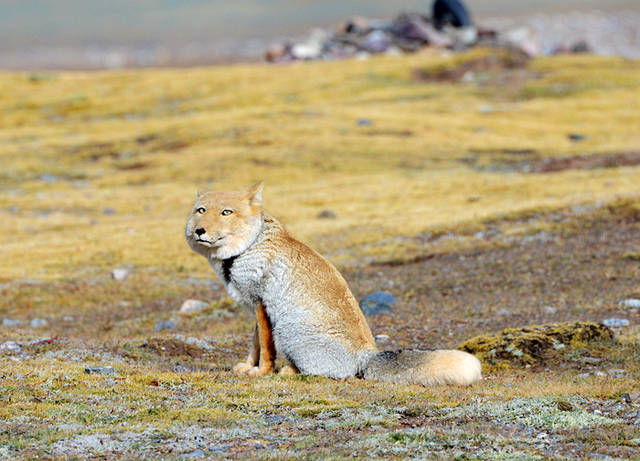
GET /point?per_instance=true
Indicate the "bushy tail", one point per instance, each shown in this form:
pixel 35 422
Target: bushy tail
pixel 424 367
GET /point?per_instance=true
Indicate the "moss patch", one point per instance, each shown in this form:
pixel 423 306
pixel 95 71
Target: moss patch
pixel 531 345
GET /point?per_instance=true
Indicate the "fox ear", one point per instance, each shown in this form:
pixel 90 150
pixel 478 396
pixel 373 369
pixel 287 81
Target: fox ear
pixel 254 194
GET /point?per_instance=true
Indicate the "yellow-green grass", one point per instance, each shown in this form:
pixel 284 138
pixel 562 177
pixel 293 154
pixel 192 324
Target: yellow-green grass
pixel 142 143
pixel 129 149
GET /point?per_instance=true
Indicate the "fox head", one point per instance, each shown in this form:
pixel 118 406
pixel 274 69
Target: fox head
pixel 224 224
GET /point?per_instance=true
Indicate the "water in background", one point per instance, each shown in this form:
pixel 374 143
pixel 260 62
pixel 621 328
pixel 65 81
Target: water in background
pixel 119 33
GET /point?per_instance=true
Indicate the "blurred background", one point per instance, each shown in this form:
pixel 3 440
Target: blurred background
pixel 75 34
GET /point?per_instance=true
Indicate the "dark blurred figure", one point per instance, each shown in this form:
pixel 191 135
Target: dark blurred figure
pixel 454 13
pixel 450 12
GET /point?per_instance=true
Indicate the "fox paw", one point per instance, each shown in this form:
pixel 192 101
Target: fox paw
pixel 288 370
pixel 242 368
pixel 258 371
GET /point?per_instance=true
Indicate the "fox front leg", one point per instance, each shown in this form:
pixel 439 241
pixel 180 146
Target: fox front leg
pixel 267 346
pixel 253 358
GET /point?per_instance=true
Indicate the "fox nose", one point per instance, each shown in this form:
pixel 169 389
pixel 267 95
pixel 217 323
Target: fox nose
pixel 200 231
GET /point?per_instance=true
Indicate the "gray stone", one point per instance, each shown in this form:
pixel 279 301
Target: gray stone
pixel 11 323
pixel 326 214
pixel 634 303
pixel 37 342
pixel 192 307
pixel 165 325
pixel 364 122
pixel 376 303
pixel 617 373
pixel 109 211
pixel 194 454
pixel 119 274
pixel 274 420
pixel 47 177
pixel 615 323
pixel 10 347
pixel 576 137
pixel 105 370
pixel 201 343
pixel 38 323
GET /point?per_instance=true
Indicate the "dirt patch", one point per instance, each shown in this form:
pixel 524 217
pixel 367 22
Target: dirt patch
pixel 535 344
pixel 398 133
pixel 586 162
pixel 172 347
pixel 529 161
pixel 571 270
pixel 491 64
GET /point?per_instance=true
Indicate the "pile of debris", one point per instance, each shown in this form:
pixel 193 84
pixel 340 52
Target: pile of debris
pixel 449 27
pixel 361 37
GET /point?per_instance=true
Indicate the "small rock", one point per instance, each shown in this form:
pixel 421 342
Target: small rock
pixel 192 307
pixel 634 303
pixel 10 347
pixel 109 211
pixel 38 342
pixel 584 375
pixel 364 122
pixel 504 312
pixel 377 303
pixel 106 370
pixel 382 339
pixel 119 274
pixel 38 323
pixel 201 343
pixel 165 325
pixel 47 177
pixel 542 435
pixel 615 323
pixel 274 420
pixel 326 214
pixel 550 309
pixel 599 374
pixel 194 454
pixel 376 41
pixel 69 318
pixel 181 369
pixel 617 373
pixel 576 137
pixel 580 46
pixel 11 323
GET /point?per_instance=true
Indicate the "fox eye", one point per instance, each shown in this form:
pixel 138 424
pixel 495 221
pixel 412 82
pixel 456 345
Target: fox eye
pixel 226 212
pixel 200 210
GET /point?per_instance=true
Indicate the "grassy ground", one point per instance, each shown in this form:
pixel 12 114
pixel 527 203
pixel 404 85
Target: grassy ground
pixel 456 185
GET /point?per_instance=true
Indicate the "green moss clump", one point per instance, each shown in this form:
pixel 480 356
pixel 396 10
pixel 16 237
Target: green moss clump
pixel 533 344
